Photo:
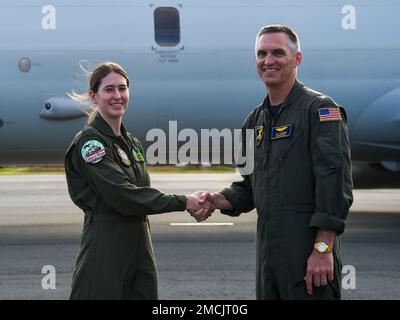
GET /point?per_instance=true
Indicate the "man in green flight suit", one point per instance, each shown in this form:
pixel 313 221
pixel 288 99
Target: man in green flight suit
pixel 301 185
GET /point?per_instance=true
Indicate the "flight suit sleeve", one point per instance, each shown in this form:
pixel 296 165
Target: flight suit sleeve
pixel 240 193
pixel 108 180
pixel 330 149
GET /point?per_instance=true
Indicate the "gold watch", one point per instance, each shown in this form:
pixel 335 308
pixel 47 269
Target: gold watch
pixel 322 247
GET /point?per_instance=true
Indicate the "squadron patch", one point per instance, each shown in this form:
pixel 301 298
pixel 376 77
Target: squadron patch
pixel 137 155
pixel 281 132
pixel 259 134
pixel 93 151
pixel 121 153
pixel 329 114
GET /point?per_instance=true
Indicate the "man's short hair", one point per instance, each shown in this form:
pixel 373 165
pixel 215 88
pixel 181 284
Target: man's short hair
pixel 294 42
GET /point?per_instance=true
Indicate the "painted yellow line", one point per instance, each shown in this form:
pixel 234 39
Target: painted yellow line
pixel 197 224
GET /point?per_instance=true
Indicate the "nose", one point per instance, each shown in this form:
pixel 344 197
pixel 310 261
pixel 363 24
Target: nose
pixel 117 94
pixel 269 59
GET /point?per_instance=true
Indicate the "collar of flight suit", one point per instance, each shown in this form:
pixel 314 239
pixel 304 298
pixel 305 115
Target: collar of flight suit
pixel 100 124
pixel 291 97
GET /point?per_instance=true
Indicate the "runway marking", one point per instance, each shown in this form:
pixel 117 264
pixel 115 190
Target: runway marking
pixel 200 224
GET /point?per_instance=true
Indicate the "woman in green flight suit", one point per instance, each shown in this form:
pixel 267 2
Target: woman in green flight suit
pixel 108 180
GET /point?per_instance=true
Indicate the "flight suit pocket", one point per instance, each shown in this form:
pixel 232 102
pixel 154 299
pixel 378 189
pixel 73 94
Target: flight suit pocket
pixel 328 292
pixel 289 145
pixel 329 159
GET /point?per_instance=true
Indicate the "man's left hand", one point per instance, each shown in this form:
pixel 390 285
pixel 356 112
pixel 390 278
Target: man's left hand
pixel 319 270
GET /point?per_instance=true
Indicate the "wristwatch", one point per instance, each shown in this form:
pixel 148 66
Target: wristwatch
pixel 322 247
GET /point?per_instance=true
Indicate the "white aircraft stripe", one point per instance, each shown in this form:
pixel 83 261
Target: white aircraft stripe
pixel 197 224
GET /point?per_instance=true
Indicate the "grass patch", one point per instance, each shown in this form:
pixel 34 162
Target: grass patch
pixel 151 169
pixel 32 170
pixel 191 169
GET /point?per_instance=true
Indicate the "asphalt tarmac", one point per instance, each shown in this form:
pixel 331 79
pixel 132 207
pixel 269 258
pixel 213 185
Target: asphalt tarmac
pixel 40 227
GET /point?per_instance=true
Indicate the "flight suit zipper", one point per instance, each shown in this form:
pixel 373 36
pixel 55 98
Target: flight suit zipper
pixel 269 167
pixel 274 119
pixel 136 166
pixel 272 124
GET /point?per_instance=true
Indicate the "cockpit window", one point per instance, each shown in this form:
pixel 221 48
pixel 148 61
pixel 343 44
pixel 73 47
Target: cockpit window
pixel 167 26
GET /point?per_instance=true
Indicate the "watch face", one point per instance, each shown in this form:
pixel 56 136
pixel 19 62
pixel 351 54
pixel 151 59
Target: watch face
pixel 322 247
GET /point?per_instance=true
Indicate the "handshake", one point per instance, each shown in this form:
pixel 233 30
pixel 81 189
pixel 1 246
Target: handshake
pixel 202 204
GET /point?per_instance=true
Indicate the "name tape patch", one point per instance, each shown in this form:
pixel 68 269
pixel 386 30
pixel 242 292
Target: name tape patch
pixel 281 132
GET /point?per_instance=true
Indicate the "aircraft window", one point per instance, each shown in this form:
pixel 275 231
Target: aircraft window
pixel 24 64
pixel 167 26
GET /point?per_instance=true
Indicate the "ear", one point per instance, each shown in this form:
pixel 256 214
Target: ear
pixel 299 58
pixel 93 97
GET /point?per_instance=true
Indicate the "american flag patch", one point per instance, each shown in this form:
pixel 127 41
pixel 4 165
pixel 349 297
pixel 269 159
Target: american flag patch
pixel 329 114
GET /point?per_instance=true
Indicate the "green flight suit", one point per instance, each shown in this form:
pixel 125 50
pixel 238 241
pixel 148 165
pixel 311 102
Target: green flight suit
pixel 108 180
pixel 301 182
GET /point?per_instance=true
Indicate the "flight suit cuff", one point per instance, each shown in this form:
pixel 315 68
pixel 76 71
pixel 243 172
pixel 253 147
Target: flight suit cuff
pixel 181 202
pixel 230 196
pixel 324 221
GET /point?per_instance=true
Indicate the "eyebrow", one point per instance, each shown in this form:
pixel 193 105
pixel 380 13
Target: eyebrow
pixel 278 50
pixel 113 86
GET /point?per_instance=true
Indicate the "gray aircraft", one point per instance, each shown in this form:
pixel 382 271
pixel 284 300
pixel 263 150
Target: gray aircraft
pixel 192 61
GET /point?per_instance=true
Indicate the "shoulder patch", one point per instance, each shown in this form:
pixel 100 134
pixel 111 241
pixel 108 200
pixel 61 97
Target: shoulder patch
pixel 259 131
pixel 93 151
pixel 329 114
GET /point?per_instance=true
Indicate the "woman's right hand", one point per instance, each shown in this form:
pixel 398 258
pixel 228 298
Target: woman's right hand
pixel 200 205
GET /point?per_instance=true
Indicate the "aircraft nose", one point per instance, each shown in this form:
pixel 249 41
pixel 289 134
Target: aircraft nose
pixel 378 126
